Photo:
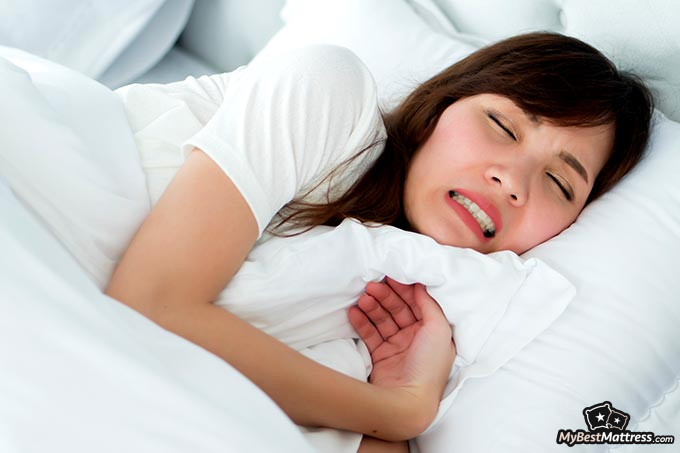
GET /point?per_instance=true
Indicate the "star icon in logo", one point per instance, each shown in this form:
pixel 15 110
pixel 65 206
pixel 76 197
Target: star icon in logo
pixel 598 416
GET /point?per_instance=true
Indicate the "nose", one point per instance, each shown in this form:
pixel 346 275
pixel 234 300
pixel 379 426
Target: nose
pixel 512 183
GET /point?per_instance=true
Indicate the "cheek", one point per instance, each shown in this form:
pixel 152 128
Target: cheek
pixel 447 158
pixel 543 224
pixel 427 166
pixel 462 142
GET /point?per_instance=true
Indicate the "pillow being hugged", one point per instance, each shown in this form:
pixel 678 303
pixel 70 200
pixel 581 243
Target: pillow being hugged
pixel 67 152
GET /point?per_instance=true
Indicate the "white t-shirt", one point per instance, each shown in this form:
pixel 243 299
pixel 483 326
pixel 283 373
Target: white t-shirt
pixel 276 127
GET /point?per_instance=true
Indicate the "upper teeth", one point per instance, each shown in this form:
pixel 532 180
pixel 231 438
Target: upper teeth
pixel 485 222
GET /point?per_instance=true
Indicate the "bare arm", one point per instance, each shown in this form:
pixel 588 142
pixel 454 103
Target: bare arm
pixel 373 445
pixel 187 250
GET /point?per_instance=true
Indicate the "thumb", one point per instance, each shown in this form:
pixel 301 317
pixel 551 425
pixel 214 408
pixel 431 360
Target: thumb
pixel 427 307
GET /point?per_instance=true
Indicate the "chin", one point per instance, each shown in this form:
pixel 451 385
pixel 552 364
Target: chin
pixel 446 239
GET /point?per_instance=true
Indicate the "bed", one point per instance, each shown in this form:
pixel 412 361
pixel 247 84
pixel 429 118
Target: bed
pixel 82 372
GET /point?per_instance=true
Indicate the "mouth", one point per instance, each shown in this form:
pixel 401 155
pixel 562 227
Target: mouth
pixel 485 222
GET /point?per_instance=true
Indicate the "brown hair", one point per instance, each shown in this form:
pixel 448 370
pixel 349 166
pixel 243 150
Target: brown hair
pixel 551 76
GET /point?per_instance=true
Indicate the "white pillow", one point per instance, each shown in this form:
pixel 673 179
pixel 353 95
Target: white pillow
pixel 227 34
pixel 110 41
pixel 67 151
pixel 83 35
pixel 641 38
pixel 397 46
pixel 617 341
pixel 153 41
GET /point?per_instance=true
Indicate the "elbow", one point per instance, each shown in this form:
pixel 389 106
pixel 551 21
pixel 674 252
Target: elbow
pixel 141 298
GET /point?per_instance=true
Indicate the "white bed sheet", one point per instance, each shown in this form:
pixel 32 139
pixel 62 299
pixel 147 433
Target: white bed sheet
pixel 82 372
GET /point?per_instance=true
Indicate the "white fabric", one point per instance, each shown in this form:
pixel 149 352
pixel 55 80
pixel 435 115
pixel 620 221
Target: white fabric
pixel 406 41
pixel 617 341
pixel 176 65
pixel 152 42
pixel 474 326
pixel 67 152
pixel 282 283
pixel 638 37
pixel 397 46
pixel 83 35
pixel 490 413
pixel 82 372
pixel 114 42
pixel 274 290
pixel 276 128
pixel 621 253
pixel 298 290
pixel 227 34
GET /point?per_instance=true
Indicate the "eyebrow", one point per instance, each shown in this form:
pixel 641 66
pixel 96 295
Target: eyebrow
pixel 573 162
pixel 567 157
pixel 533 118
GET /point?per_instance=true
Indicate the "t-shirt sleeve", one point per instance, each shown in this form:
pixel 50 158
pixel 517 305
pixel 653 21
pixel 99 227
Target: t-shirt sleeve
pixel 287 122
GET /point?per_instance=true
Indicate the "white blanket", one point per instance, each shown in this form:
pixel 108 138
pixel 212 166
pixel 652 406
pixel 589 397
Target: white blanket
pixel 298 289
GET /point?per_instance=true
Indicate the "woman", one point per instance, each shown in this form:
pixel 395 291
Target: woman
pixel 501 151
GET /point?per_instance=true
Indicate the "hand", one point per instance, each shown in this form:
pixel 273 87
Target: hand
pixel 408 337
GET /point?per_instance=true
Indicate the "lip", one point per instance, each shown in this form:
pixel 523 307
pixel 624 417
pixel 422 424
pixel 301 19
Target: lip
pixel 467 218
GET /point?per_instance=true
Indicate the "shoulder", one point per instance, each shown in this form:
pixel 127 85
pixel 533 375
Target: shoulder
pixel 333 62
pixel 335 70
pixel 323 59
pixel 324 94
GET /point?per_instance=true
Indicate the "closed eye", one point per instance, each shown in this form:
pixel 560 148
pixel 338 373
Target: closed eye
pixel 501 125
pixel 567 192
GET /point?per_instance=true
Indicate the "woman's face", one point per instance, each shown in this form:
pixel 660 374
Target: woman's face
pixel 491 177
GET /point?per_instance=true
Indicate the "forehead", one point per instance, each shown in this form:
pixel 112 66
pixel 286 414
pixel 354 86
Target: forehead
pixel 590 146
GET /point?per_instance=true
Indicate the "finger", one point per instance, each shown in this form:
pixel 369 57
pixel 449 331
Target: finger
pixel 399 309
pixel 428 308
pixel 366 330
pixel 433 315
pixel 380 317
pixel 407 294
pixel 403 290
